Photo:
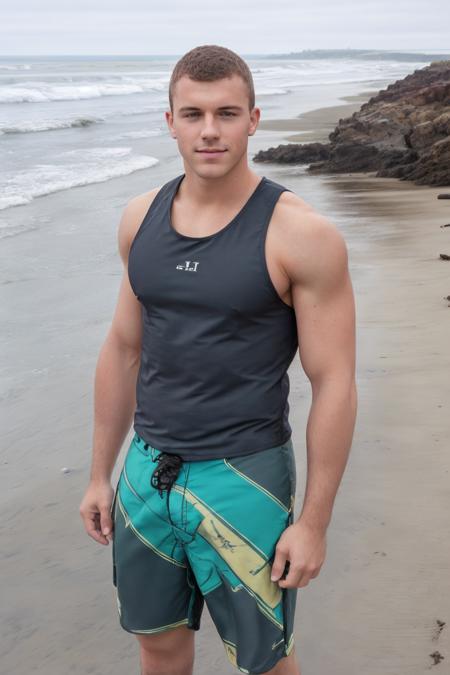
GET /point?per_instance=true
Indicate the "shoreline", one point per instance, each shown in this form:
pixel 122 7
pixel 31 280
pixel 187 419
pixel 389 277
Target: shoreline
pixel 315 125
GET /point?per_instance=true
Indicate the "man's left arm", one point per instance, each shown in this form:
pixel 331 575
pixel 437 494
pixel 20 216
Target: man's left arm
pixel 322 294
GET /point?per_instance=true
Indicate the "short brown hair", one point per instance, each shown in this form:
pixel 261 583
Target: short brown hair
pixel 207 63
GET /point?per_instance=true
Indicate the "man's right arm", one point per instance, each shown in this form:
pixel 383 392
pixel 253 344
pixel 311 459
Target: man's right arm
pixel 115 381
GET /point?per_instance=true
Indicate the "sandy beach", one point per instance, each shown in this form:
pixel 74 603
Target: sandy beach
pixel 374 608
pixel 315 125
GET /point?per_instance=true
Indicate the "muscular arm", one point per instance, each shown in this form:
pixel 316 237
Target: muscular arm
pixel 322 293
pixel 119 358
pixel 315 261
pixel 115 385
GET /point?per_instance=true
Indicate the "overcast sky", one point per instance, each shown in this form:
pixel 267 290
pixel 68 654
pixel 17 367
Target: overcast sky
pixel 246 26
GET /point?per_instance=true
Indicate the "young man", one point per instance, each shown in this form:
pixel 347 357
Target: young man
pixel 226 275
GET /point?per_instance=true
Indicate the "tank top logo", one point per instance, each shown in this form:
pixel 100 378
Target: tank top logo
pixel 188 266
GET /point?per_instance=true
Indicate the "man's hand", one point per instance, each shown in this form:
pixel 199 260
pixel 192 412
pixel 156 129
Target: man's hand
pixel 304 547
pixel 95 511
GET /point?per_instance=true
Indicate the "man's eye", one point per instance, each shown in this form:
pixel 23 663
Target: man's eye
pixel 227 113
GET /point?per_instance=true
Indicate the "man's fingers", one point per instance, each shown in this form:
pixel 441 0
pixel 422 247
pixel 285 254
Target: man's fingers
pixel 278 564
pixel 96 511
pixel 106 522
pixel 292 578
pixel 92 527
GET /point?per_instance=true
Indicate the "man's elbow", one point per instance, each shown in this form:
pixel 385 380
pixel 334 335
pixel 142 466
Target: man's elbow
pixel 341 383
pixel 129 347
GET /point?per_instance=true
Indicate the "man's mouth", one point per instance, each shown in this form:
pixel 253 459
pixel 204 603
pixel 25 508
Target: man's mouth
pixel 211 154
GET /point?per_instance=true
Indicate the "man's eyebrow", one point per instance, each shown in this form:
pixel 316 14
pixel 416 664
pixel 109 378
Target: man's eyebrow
pixel 222 107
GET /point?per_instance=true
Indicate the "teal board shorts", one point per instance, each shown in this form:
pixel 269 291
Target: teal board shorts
pixel 210 536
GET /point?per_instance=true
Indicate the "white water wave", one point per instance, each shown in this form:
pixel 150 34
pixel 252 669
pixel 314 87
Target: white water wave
pixel 42 92
pixel 30 126
pixel 82 166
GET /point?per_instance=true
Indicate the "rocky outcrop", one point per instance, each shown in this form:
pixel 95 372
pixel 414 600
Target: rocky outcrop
pixel 402 132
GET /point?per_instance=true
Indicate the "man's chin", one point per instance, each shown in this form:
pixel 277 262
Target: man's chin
pixel 211 171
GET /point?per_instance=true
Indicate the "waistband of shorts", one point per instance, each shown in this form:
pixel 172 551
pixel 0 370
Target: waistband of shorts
pixel 149 450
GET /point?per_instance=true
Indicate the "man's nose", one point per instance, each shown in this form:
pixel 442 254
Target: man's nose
pixel 210 127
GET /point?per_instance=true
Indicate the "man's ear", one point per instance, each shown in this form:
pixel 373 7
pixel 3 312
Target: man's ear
pixel 168 124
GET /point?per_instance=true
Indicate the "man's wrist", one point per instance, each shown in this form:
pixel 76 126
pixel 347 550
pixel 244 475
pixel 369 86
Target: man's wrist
pixel 100 478
pixel 313 522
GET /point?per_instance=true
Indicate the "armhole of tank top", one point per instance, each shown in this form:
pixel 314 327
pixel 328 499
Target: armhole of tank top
pixel 139 231
pixel 156 199
pixel 262 253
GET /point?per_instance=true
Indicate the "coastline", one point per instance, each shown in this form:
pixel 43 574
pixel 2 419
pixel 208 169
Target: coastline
pixel 315 125
pixel 373 602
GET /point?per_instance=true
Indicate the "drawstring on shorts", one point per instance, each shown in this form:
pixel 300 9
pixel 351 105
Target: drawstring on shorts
pixel 166 472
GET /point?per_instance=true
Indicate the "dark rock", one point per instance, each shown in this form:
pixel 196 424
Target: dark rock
pixel 402 132
pixel 294 153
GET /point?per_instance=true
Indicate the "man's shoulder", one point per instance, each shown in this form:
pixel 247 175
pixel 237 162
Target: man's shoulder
pixel 299 219
pixel 132 217
pixel 298 214
pixel 143 200
pixel 306 236
pixel 137 207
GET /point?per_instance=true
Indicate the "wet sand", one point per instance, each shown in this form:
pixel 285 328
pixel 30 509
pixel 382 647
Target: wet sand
pixel 315 125
pixel 385 582
pixel 385 585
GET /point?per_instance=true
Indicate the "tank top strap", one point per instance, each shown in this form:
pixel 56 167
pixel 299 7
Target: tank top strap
pixel 271 193
pixel 157 206
pixel 268 199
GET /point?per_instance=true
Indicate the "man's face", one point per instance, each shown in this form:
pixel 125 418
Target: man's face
pixel 212 116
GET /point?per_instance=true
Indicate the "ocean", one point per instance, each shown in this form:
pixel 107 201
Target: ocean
pixel 67 122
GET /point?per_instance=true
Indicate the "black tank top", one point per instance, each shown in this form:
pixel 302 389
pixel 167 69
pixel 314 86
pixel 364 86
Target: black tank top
pixel 217 337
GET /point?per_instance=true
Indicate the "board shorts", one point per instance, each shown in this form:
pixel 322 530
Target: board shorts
pixel 186 532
